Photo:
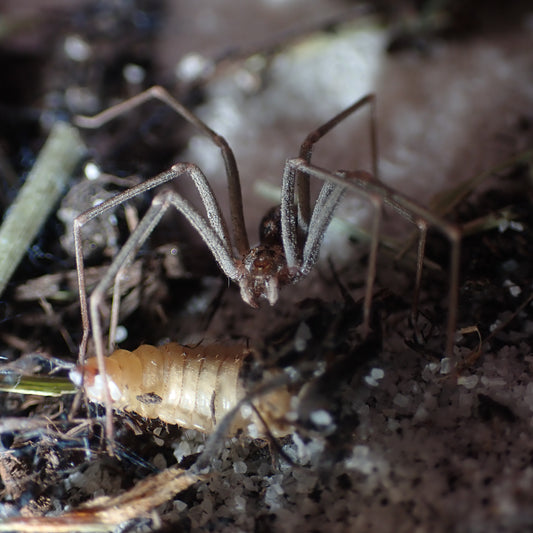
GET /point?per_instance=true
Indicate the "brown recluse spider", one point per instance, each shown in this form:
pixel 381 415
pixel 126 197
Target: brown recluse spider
pixel 278 260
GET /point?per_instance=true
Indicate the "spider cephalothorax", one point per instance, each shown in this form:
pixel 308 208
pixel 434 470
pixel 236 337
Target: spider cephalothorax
pixel 264 268
pixel 264 271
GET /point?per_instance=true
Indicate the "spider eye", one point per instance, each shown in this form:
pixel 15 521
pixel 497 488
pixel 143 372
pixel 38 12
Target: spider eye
pixel 263 263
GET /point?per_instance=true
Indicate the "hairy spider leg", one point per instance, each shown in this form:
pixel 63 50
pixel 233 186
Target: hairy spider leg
pixel 213 211
pixel 303 259
pixel 212 231
pixel 362 184
pixel 323 210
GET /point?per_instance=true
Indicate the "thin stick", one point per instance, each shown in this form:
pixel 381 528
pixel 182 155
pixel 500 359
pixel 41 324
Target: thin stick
pixel 38 196
pixel 105 513
pixel 422 238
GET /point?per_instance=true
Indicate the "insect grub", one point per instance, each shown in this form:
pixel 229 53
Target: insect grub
pixel 291 234
pixel 194 387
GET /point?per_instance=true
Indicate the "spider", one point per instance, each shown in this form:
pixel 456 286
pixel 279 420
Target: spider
pixel 291 234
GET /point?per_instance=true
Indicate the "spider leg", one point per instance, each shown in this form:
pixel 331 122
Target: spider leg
pixel 320 219
pixel 126 254
pixel 328 199
pixel 306 149
pixel 159 205
pixel 325 205
pixel 289 236
pixel 115 309
pixel 212 208
pixel 232 173
pixel 323 210
pixel 362 184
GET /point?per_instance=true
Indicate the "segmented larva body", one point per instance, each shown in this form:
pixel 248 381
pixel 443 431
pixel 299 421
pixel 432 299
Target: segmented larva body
pixel 192 387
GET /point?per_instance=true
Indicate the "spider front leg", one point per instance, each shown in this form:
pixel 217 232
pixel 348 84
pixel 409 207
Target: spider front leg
pixel 363 185
pixel 213 211
pixel 213 231
pixel 301 257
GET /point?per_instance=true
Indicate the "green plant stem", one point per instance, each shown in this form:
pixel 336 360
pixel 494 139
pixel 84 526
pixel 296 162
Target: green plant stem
pixel 38 196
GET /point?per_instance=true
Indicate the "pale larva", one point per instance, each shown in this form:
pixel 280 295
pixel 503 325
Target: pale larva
pixel 192 387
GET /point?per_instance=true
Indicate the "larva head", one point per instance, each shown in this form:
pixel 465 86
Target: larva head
pixel 93 383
